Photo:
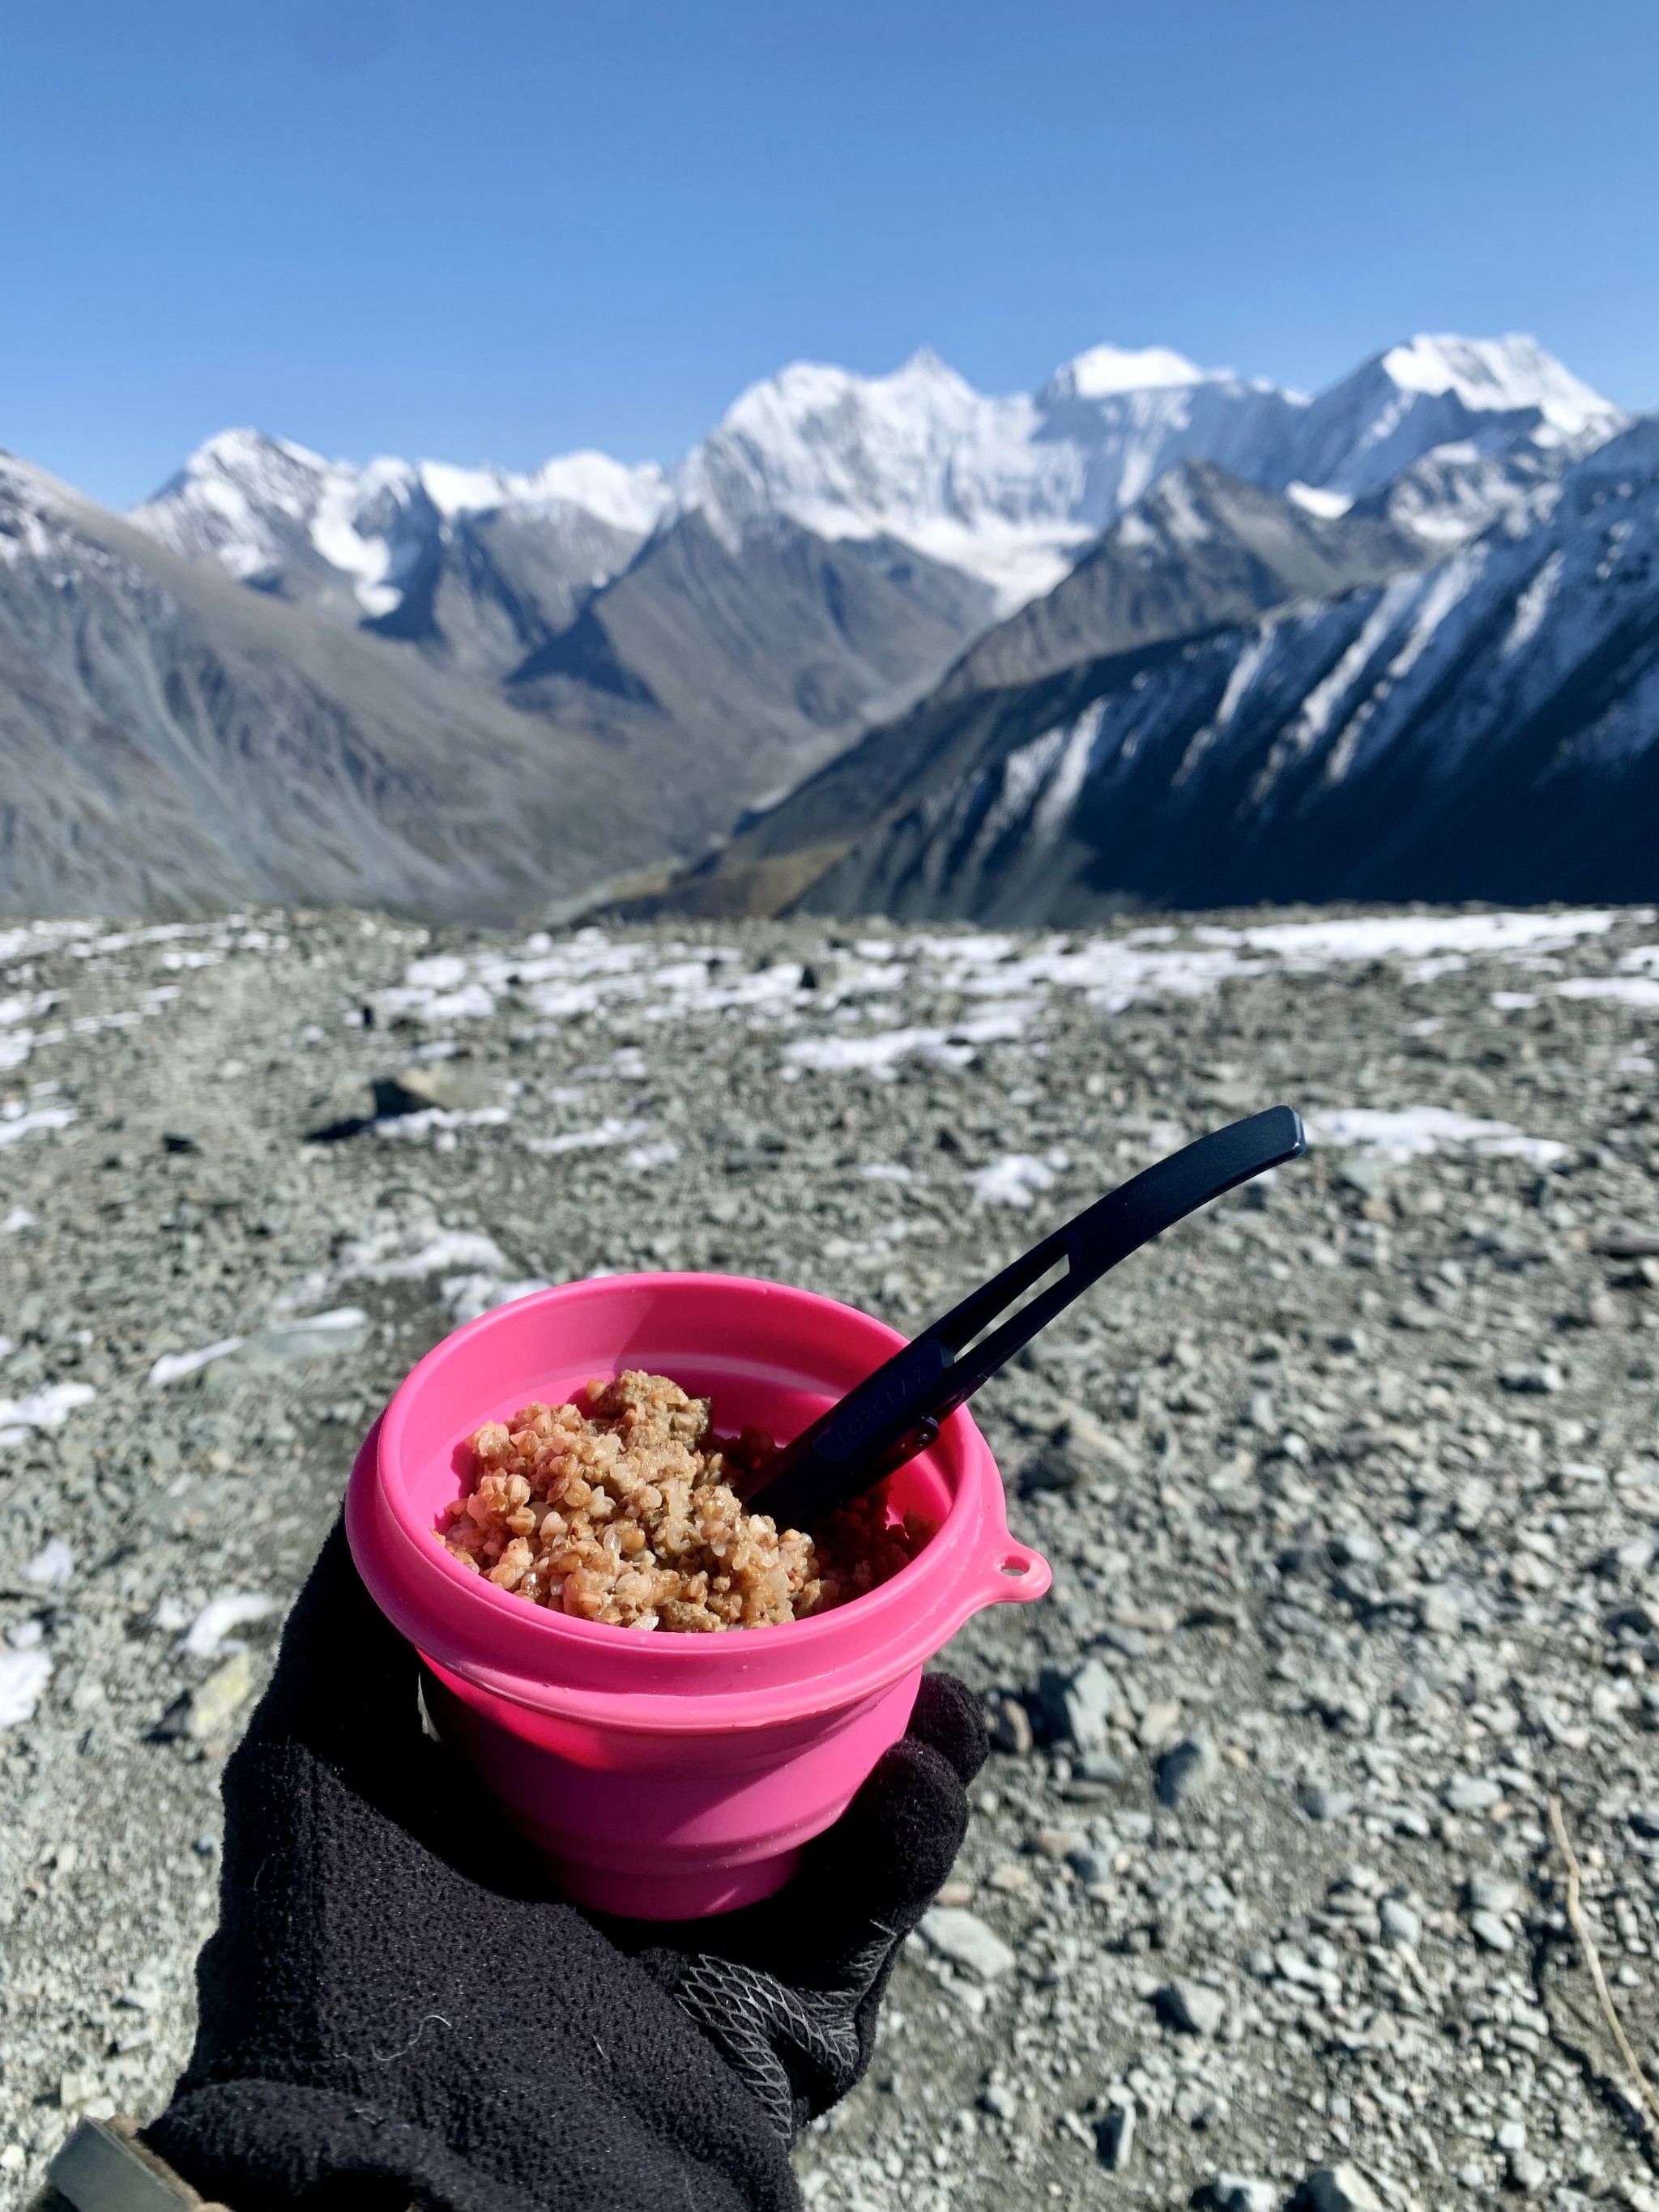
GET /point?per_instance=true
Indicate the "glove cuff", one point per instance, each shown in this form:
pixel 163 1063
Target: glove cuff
pixel 264 2146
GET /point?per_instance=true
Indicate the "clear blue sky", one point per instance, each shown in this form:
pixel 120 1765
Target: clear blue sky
pixel 500 228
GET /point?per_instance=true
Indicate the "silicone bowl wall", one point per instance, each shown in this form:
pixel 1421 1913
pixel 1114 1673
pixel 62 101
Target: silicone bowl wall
pixel 669 1776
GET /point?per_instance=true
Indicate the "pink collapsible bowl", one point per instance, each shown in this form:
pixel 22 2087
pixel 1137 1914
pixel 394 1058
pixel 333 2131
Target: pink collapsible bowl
pixel 666 1776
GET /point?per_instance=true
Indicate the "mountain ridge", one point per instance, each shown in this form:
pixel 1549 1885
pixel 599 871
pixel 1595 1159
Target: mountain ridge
pixel 1007 488
pixel 1486 727
pixel 470 692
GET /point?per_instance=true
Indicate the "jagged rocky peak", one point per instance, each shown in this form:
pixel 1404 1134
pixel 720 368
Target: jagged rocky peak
pixel 278 516
pixel 1006 487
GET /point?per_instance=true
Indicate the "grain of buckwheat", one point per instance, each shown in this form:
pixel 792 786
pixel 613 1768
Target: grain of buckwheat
pixel 623 1513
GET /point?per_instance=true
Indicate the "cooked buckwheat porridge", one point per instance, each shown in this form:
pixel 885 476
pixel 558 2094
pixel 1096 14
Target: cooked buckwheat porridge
pixel 621 1510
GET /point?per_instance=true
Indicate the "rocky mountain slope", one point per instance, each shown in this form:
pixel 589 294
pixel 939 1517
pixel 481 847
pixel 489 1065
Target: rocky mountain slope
pixel 176 745
pixel 1483 727
pixel 476 694
pixel 1351 1484
pixel 1200 550
pixel 1487 729
pixel 822 558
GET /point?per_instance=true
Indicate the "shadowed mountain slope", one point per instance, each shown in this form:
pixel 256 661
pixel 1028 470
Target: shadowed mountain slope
pixel 172 744
pixel 1487 729
pixel 1202 549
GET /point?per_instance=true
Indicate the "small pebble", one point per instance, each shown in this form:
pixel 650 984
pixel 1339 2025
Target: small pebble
pixel 1472 1793
pixel 964 1938
pixel 1402 1926
pixel 1115 2136
pixel 1193 2007
pixel 1184 1771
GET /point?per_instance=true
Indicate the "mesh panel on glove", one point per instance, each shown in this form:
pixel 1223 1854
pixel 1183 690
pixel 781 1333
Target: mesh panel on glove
pixel 789 1990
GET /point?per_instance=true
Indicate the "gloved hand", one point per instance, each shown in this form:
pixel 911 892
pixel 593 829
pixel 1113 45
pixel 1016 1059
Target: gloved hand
pixel 394 2009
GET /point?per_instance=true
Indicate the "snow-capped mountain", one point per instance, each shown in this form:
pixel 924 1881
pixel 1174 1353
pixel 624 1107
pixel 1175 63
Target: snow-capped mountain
pixel 1006 488
pixel 1030 598
pixel 170 744
pixel 255 505
pixel 371 545
pixel 1487 728
pixel 1009 487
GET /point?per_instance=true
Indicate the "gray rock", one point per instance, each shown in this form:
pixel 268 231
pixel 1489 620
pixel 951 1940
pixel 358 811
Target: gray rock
pixel 1439 1611
pixel 1099 1766
pixel 1012 1730
pixel 1327 1804
pixel 1158 1723
pixel 1238 2192
pixel 1491 1931
pixel 1192 2007
pixel 963 1937
pixel 997 2098
pixel 1401 1925
pixel 1528 2171
pixel 1492 1893
pixel 1184 1768
pixel 1336 2189
pixel 1114 2138
pixel 1472 1793
pixel 1087 1698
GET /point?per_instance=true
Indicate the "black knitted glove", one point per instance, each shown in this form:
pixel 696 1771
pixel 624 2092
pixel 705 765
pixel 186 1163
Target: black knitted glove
pixel 394 2009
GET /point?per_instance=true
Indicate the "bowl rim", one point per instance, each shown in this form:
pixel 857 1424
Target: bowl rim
pixel 521 1620
pixel 599 1680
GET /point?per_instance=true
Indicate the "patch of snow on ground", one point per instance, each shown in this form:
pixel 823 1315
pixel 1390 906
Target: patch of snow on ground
pixel 1628 990
pixel 1014 1179
pixel 1414 936
pixel 52 1565
pixel 378 1259
pixel 23 1677
pixel 430 1120
pixel 611 1131
pixel 1416 1130
pixel 644 1158
pixel 877 1053
pixel 18 1122
pixel 209 1633
pixel 1112 972
pixel 174 1366
pixel 466 1297
pixel 43 1409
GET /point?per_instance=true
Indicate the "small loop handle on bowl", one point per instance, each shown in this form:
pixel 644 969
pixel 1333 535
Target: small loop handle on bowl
pixel 1016 1573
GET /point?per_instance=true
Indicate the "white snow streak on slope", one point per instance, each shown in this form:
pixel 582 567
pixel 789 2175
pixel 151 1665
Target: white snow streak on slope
pixel 1629 990
pixel 1533 604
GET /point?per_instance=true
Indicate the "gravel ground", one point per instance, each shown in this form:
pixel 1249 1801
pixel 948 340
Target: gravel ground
pixel 1351 1485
